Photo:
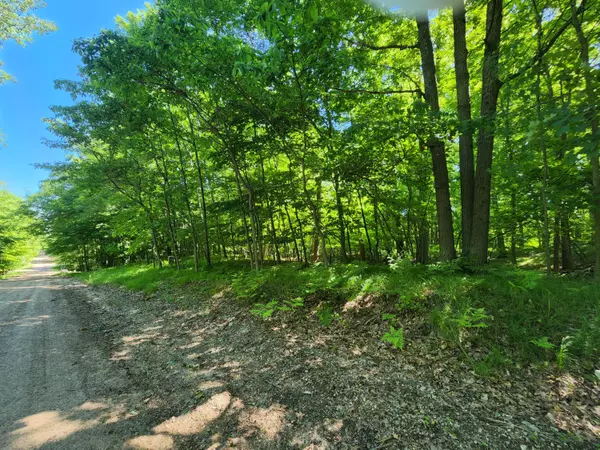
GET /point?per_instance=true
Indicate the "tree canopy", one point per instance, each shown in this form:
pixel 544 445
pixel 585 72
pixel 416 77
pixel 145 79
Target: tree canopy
pixel 324 131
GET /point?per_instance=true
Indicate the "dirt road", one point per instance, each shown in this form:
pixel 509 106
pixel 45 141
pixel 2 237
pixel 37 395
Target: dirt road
pixel 50 371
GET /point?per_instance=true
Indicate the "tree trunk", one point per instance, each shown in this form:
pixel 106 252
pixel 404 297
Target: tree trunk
pixel 485 145
pixel 342 226
pixel 467 165
pixel 293 231
pixel 302 241
pixel 423 242
pixel 542 140
pixel 170 220
pixel 364 219
pixel 593 119
pixel 436 146
pixel 202 194
pixel 556 247
pixel 186 193
pixel 566 247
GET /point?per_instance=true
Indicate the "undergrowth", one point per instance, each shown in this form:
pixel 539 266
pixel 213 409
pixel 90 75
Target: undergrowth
pixel 513 315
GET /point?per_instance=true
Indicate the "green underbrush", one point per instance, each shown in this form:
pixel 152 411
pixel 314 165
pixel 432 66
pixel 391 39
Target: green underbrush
pixel 511 316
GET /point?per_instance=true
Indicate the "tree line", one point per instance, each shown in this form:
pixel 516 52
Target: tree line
pixel 323 131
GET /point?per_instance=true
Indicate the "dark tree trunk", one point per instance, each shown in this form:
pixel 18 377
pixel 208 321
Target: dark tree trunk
pixel 186 193
pixel 302 241
pixel 423 243
pixel 566 246
pixel 364 219
pixel 293 231
pixel 556 248
pixel 590 90
pixel 436 146
pixel 340 211
pixel 467 165
pixel 202 194
pixel 485 145
pixel 361 250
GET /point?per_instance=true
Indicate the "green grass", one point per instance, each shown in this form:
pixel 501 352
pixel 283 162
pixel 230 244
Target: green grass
pixel 501 310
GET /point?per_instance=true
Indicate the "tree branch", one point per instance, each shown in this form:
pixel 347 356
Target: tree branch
pixel 545 49
pixel 382 47
pixel 386 92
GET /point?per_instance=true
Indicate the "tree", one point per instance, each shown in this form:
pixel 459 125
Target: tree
pixel 17 23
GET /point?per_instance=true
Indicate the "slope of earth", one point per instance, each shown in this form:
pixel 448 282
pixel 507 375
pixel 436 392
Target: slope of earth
pixel 203 373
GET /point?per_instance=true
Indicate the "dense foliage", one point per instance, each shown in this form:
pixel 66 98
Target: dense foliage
pixel 18 244
pixel 330 131
pixel 499 319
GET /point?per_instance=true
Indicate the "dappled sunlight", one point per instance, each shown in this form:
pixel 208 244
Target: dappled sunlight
pixel 191 345
pixel 314 362
pixel 28 287
pixel 121 355
pixel 566 385
pixel 133 341
pixel 213 384
pixel 334 426
pixel 129 342
pixel 197 420
pixel 26 321
pixel 45 427
pixel 153 442
pixel 361 301
pixel 268 421
pixel 92 406
pixel 576 405
pixel 214 350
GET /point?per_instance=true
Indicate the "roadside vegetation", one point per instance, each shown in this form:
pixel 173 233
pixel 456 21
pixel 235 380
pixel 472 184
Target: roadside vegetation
pixel 503 317
pixel 18 242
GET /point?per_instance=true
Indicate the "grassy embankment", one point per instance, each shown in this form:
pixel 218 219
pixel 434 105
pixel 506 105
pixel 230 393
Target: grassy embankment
pixel 516 316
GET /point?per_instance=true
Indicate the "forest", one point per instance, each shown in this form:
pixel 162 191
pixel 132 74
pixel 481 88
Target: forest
pixel 292 149
pixel 18 240
pixel 330 132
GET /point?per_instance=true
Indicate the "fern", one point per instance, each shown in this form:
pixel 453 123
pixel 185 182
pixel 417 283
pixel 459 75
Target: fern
pixel 265 310
pixel 543 342
pixel 563 356
pixel 395 337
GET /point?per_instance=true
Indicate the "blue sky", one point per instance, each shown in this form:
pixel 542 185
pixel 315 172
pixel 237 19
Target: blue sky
pixel 24 104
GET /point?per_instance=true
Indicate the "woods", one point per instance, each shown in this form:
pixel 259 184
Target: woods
pixel 320 132
pixel 18 243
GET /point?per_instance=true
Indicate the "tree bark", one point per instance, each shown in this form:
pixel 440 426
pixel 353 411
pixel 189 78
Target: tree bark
pixel 202 194
pixel 485 145
pixel 436 146
pixel 340 211
pixel 593 119
pixel 467 165
pixel 186 195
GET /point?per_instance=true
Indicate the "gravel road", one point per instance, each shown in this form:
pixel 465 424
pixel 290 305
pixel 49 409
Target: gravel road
pixel 51 372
